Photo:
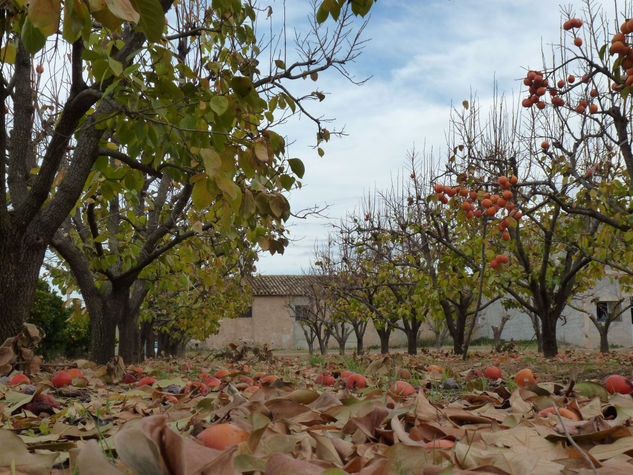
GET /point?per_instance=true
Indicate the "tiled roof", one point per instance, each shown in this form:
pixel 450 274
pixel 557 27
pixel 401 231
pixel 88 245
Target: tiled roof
pixel 272 285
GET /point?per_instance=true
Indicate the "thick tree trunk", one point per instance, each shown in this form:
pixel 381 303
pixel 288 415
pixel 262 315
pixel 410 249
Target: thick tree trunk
pixel 102 330
pixel 384 334
pixel 360 344
pixel 105 315
pixel 548 329
pixel 456 326
pixel 20 264
pixel 129 339
pixel 411 330
pixel 458 340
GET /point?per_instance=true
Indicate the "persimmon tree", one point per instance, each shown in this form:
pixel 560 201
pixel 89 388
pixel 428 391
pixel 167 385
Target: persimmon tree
pixel 315 315
pixel 581 107
pixel 343 282
pixel 369 254
pixel 342 315
pixel 115 90
pixel 547 268
pixel 447 238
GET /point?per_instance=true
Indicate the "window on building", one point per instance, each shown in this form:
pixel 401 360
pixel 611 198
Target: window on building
pixel 248 313
pixel 606 308
pixel 302 312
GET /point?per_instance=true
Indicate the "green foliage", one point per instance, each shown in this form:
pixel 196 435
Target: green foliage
pixel 66 334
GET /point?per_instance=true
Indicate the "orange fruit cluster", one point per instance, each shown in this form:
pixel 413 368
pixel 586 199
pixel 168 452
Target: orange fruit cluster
pixel 538 84
pixel 624 50
pixel 476 203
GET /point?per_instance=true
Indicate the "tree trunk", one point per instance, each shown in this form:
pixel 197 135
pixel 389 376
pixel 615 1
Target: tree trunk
pixel 147 340
pixel 359 331
pixel 604 338
pixel 456 325
pixel 323 342
pixel 105 315
pixel 548 329
pixel 20 264
pixel 458 340
pixel 411 331
pixel 102 341
pixel 129 339
pixel 170 346
pixel 384 334
pixel 537 332
pixel 360 344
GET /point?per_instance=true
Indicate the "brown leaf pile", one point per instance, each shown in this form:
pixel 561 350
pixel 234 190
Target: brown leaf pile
pixel 18 352
pixel 99 425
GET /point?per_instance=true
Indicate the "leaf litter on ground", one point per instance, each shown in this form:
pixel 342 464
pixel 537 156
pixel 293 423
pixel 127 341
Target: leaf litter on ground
pixel 101 425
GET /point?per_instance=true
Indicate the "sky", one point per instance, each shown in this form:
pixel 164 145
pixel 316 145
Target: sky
pixel 423 58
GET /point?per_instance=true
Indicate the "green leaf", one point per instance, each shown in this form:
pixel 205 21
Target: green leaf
pixel 212 161
pixel 361 7
pixel 242 85
pixel 32 38
pixel 123 9
pixel 591 390
pixel 602 51
pixel 152 19
pixel 200 195
pixel 297 167
pixel 287 181
pixel 228 187
pixel 7 53
pixel 280 64
pixel 115 66
pixel 76 20
pixel 219 104
pixel 328 7
pixel 247 207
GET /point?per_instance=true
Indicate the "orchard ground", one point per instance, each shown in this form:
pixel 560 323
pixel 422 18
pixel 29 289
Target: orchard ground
pixel 245 409
pixel 572 363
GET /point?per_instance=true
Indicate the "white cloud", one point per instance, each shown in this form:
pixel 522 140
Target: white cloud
pixel 424 56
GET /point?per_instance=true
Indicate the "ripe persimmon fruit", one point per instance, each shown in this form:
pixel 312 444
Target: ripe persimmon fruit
pixel 221 436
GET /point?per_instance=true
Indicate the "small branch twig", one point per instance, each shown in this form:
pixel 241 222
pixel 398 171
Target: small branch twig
pixel 573 442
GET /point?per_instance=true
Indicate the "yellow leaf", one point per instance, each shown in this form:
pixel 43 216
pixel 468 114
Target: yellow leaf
pixel 44 15
pixel 261 151
pixel 123 9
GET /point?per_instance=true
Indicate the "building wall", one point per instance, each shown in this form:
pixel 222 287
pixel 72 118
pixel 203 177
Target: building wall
pixel 575 329
pixel 272 323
